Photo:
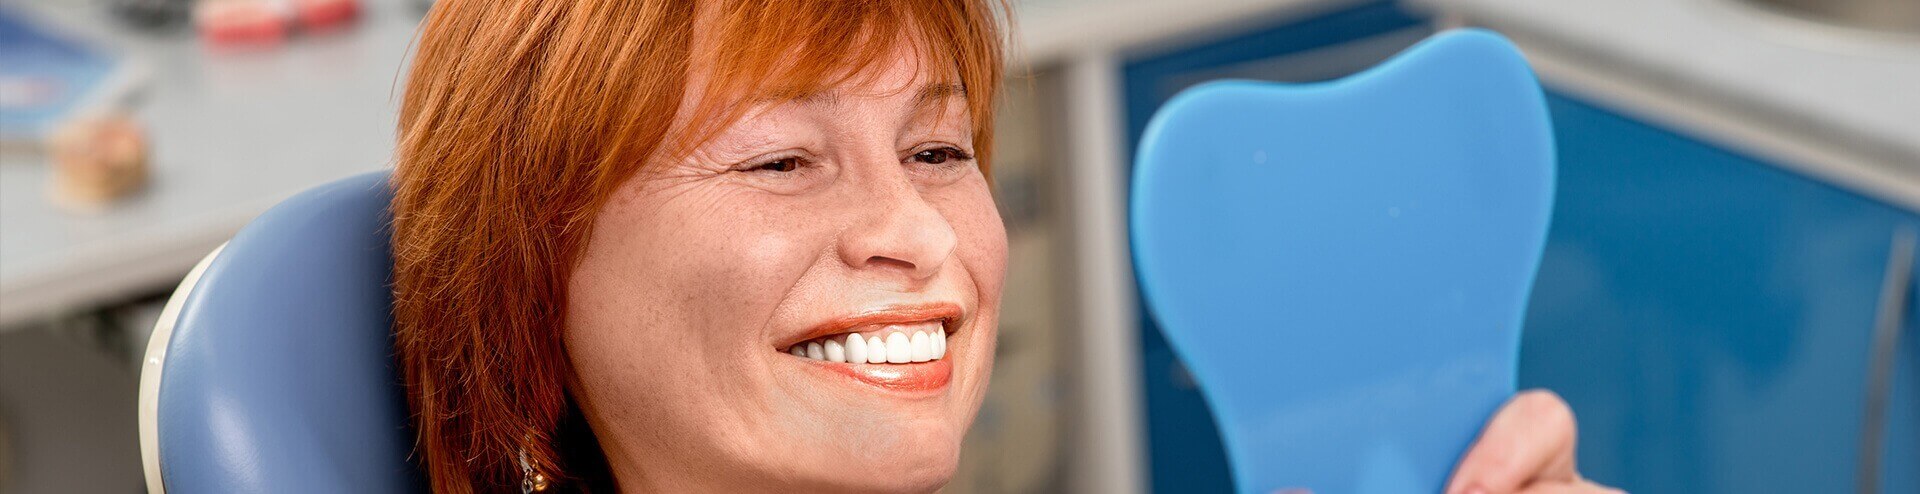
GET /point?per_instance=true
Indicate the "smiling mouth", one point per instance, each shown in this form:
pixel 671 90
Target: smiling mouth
pixel 908 343
pixel 901 349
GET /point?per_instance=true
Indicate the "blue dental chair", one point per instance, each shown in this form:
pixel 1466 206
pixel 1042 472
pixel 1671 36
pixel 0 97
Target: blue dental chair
pixel 271 369
pixel 1344 266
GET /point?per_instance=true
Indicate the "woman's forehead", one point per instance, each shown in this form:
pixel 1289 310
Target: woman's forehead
pixel 900 75
pixel 748 57
pixel 907 66
pixel 920 92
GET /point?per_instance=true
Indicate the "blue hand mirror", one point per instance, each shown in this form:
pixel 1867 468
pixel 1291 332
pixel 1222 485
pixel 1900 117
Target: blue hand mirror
pixel 1344 265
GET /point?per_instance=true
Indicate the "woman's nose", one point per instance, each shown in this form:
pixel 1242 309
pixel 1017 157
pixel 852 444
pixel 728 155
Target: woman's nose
pixel 901 233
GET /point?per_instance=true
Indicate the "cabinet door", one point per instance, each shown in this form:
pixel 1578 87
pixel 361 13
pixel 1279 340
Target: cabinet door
pixel 1708 315
pixel 1900 464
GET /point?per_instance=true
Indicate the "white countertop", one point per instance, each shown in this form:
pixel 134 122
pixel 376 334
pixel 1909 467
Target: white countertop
pixel 1854 90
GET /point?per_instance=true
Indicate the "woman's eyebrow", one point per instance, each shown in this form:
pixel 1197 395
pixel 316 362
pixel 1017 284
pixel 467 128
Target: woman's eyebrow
pixel 928 94
pixel 935 92
pixel 822 98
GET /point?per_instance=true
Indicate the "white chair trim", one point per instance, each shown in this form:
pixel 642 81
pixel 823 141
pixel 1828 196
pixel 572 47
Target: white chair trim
pixel 150 367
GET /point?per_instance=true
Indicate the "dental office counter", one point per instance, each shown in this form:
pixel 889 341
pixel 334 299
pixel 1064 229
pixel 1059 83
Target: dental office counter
pixel 1731 186
pixel 232 133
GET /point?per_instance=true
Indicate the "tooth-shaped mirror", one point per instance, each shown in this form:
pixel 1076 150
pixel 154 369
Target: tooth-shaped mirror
pixel 1344 265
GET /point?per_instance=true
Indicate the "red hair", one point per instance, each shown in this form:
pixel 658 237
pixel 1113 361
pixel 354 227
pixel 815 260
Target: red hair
pixel 519 120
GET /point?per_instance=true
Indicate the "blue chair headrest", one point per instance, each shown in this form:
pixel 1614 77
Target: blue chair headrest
pixel 279 375
pixel 1344 265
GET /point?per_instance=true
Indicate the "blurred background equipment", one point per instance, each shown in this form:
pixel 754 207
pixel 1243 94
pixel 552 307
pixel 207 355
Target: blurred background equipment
pixel 49 74
pixel 151 14
pixel 318 16
pixel 242 23
pixel 1732 174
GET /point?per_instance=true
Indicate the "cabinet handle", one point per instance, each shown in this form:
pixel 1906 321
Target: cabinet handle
pixel 1886 344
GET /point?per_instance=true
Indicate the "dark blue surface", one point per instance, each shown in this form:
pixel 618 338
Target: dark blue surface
pixel 1344 265
pixel 1707 314
pixel 279 377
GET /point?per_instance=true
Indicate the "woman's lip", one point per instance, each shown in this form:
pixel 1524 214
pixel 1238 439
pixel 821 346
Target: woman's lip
pixel 919 377
pixel 947 312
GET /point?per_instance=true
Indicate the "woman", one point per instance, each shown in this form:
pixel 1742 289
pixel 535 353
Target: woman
pixel 729 245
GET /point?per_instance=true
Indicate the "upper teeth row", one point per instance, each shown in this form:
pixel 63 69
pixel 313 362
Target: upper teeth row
pixel 897 348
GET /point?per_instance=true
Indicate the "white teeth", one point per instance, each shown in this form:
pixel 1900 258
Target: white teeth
pixel 922 349
pixel 899 348
pixel 856 349
pixel 835 351
pixel 876 351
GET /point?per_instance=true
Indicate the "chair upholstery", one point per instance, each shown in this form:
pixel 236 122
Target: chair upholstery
pixel 278 375
pixel 1344 266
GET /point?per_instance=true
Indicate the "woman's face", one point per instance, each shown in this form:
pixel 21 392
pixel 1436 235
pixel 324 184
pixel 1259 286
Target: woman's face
pixel 855 213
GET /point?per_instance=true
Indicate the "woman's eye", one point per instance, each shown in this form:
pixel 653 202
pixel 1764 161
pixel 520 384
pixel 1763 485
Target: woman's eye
pixel 779 165
pixel 790 172
pixel 941 155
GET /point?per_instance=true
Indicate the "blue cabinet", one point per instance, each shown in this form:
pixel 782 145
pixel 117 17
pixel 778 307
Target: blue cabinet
pixel 1708 314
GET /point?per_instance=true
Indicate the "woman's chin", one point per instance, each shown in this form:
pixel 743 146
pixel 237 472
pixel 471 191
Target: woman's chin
pixel 875 427
pixel 905 456
pixel 920 470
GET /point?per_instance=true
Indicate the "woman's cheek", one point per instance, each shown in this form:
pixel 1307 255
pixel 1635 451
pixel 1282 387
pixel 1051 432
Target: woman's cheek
pixel 983 236
pixel 983 259
pixel 729 245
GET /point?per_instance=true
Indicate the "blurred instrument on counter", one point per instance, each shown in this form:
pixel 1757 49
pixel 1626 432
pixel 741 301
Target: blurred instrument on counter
pixel 315 16
pixel 97 160
pixel 151 14
pixel 240 23
pixel 265 23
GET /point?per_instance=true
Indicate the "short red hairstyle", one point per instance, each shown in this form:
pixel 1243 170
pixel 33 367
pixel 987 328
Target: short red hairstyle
pixel 519 120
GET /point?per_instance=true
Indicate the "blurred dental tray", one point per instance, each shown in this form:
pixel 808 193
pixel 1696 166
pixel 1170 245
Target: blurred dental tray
pixel 49 74
pixel 1343 266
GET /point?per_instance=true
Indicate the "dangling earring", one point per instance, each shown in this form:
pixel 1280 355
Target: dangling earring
pixel 530 481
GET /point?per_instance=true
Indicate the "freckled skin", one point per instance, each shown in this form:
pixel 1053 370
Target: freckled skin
pixel 700 266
